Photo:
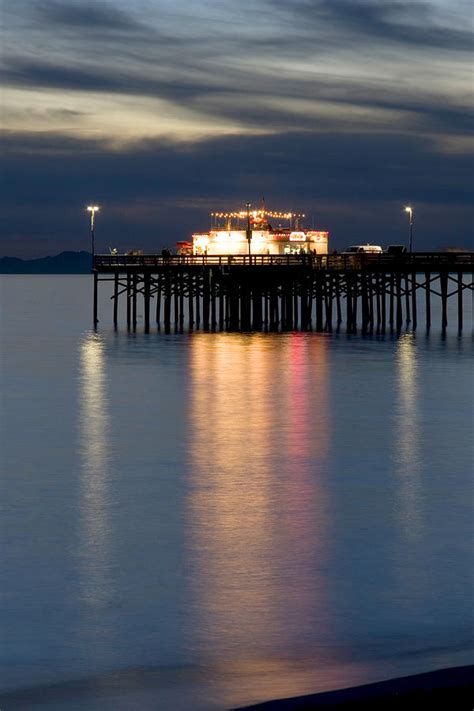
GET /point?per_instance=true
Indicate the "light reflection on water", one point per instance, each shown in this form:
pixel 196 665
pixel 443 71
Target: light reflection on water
pixel 95 533
pixel 229 517
pixel 305 516
pixel 406 441
pixel 259 533
pixel 230 503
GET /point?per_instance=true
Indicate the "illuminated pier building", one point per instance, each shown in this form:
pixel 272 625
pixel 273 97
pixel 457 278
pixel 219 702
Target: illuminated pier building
pixel 256 232
pixel 259 270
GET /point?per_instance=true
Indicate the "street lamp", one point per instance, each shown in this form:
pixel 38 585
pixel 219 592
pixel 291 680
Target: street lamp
pixel 410 226
pixel 249 231
pixel 92 209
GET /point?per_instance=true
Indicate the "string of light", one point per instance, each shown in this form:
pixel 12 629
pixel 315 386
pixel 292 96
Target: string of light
pixel 258 213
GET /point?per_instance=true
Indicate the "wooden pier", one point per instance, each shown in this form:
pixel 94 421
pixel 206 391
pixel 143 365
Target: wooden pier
pixel 369 293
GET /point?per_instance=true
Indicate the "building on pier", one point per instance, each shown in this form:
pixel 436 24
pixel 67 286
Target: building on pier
pixel 256 232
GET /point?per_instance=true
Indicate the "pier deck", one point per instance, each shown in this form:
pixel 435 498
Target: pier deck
pixel 373 292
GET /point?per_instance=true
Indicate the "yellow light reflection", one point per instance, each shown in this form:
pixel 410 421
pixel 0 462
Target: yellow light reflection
pixel 230 504
pixel 258 511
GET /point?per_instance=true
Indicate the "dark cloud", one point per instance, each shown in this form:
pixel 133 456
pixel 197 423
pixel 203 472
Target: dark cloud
pixel 91 16
pixel 402 22
pixel 22 72
pixel 158 192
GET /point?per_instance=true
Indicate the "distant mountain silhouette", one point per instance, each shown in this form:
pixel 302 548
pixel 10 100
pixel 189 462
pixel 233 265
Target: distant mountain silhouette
pixel 64 263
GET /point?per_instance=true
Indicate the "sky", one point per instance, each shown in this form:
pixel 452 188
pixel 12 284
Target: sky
pixel 162 111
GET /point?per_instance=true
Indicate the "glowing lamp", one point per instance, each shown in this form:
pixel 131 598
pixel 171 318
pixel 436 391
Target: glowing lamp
pixel 92 209
pixel 410 227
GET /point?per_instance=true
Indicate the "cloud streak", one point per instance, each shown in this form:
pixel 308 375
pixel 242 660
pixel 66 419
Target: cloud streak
pixel 354 105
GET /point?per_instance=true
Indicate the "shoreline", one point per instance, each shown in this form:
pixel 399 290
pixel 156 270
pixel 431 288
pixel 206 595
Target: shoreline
pixel 448 688
pixel 453 686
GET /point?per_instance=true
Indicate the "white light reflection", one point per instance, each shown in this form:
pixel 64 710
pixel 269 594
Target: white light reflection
pixel 94 542
pixel 406 444
pixel 413 583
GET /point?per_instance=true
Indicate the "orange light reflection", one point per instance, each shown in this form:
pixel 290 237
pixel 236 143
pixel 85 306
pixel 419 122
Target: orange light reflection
pixel 260 531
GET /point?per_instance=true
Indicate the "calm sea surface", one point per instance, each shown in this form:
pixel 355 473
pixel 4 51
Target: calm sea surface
pixel 201 521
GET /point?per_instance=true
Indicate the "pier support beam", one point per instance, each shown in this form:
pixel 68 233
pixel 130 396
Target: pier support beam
pixel 233 305
pixel 460 310
pixel 338 300
pixel 134 301
pixel 383 303
pixel 221 307
pixel 95 304
pixel 129 300
pixel 197 294
pixel 191 301
pixel 213 302
pixel 319 304
pixel 245 307
pixel 443 277
pixel 158 300
pixel 287 308
pixel 329 301
pixel 365 303
pixel 378 293
pixel 167 300
pixel 371 303
pixel 391 307
pixel 176 301
pixel 413 301
pixel 355 290
pixel 349 315
pixel 257 309
pixel 146 297
pixel 295 306
pixel 206 295
pixel 116 291
pixel 407 298
pixel 399 303
pixel 428 300
pixel 273 307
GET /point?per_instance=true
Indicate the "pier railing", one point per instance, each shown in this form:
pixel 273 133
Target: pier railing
pixel 417 261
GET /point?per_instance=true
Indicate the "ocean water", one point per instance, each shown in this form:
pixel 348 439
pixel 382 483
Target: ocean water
pixel 202 521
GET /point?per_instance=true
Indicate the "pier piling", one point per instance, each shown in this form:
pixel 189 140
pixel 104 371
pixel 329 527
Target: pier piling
pixel 129 300
pixel 460 304
pixel 444 300
pixel 298 292
pixel 96 295
pixel 116 291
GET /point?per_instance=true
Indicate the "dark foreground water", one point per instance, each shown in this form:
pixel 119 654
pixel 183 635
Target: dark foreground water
pixel 200 521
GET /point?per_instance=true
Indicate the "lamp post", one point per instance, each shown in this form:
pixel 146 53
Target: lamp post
pixel 249 231
pixel 410 227
pixel 92 209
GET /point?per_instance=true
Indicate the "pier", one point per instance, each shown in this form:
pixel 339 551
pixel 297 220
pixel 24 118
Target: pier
pixel 366 293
